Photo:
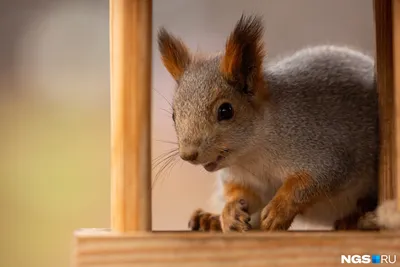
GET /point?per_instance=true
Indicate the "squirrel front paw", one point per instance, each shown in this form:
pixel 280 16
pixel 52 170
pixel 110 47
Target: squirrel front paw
pixel 275 216
pixel 235 216
pixel 298 192
pixel 204 221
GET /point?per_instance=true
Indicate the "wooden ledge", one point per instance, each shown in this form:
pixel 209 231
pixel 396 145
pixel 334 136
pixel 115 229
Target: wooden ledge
pixel 101 247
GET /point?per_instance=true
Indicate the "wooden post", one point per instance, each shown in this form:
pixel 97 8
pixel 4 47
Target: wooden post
pixel 384 68
pixel 130 52
pixel 396 67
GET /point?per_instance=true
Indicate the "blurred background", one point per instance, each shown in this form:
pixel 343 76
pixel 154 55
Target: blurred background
pixel 54 109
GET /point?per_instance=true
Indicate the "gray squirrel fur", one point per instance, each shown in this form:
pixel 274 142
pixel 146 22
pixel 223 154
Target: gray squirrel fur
pixel 313 113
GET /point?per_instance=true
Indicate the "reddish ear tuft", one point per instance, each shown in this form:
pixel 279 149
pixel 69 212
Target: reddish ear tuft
pixel 244 53
pixel 174 53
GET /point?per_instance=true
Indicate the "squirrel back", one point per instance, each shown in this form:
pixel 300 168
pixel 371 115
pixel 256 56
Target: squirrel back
pixel 322 108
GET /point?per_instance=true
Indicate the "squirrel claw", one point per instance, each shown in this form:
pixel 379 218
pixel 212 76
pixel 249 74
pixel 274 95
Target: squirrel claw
pixel 274 218
pixel 235 217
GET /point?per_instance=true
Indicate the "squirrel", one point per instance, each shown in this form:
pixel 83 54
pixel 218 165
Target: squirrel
pixel 292 140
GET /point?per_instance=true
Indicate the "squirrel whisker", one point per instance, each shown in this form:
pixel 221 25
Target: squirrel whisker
pixel 158 160
pixel 167 111
pixel 166 100
pixel 167 142
pixel 168 161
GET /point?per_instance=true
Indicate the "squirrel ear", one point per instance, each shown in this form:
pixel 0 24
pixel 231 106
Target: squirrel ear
pixel 174 53
pixel 244 53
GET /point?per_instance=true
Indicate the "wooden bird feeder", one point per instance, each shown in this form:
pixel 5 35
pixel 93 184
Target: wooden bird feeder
pixel 130 241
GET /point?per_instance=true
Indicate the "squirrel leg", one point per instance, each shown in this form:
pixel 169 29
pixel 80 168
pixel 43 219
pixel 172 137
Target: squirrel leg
pixel 241 203
pixel 295 195
pixel 298 192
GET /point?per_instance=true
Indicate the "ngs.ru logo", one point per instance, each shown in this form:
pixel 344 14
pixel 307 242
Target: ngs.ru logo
pixel 366 259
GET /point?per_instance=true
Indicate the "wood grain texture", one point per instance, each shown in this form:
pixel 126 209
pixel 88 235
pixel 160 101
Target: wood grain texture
pixel 384 68
pixel 101 248
pixel 130 55
pixel 396 67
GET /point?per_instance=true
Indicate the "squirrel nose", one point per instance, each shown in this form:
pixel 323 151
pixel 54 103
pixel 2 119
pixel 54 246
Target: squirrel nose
pixel 189 155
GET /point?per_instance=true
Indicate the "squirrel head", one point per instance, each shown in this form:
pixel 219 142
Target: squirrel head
pixel 218 99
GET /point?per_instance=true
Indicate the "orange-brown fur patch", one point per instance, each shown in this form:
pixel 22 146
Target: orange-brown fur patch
pixel 244 50
pixel 297 193
pixel 300 181
pixel 233 192
pixel 174 53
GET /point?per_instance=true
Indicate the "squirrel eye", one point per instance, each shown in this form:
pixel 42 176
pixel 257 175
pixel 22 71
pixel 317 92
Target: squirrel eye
pixel 173 116
pixel 225 112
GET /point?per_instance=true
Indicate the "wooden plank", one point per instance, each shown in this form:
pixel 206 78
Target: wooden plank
pixel 297 249
pixel 130 52
pixel 396 67
pixel 384 68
